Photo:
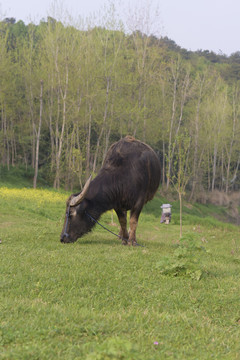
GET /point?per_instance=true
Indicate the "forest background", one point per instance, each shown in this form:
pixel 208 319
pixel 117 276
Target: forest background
pixel 67 91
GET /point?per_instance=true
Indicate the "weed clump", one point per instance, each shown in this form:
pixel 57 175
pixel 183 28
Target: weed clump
pixel 114 348
pixel 186 259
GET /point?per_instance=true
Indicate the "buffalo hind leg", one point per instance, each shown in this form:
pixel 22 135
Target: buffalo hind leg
pixel 133 227
pixel 122 218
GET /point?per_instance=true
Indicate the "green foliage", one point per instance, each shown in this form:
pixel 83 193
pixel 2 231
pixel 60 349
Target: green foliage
pixel 186 259
pixel 101 84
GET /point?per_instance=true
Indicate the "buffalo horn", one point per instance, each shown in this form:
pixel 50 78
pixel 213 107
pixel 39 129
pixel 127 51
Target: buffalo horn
pixel 79 198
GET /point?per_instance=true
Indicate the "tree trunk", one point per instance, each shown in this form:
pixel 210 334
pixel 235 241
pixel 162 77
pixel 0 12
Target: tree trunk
pixel 103 126
pixel 196 139
pixel 235 114
pixel 163 165
pixel 175 74
pixel 50 106
pixel 38 138
pixel 64 99
pixel 180 205
pixel 214 167
pixel 88 143
pixel 57 177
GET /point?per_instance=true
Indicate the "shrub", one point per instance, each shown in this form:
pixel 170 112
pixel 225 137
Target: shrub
pixel 185 260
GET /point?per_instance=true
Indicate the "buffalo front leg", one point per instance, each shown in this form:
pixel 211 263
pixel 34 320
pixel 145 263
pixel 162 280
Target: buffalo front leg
pixel 122 218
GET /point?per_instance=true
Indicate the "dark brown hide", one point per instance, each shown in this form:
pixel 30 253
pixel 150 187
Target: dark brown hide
pixel 129 178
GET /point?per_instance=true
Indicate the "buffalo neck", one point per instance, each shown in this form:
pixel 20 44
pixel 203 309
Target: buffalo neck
pixel 98 198
pixel 96 209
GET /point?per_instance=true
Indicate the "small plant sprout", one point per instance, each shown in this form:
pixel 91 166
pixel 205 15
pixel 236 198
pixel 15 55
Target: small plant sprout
pixel 181 169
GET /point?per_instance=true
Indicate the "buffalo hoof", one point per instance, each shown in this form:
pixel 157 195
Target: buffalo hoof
pixel 132 243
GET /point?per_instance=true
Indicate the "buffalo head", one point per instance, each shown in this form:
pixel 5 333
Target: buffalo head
pixel 76 223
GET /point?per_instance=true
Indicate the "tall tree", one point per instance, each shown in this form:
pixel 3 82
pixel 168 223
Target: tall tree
pixel 38 136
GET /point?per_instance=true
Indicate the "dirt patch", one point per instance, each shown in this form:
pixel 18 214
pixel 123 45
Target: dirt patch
pixel 230 201
pixel 7 224
pixel 227 218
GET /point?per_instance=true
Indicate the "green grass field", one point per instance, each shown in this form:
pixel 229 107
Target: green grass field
pixel 97 299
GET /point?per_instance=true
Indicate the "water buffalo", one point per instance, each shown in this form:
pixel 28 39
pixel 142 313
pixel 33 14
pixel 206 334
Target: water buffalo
pixel 128 179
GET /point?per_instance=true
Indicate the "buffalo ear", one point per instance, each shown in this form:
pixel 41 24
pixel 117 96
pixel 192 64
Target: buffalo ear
pixel 82 207
pixel 76 200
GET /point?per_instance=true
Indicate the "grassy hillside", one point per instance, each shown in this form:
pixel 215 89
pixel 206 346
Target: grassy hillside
pixel 20 176
pixel 96 299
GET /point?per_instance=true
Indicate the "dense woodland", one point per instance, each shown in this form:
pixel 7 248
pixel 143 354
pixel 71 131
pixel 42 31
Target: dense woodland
pixel 67 93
